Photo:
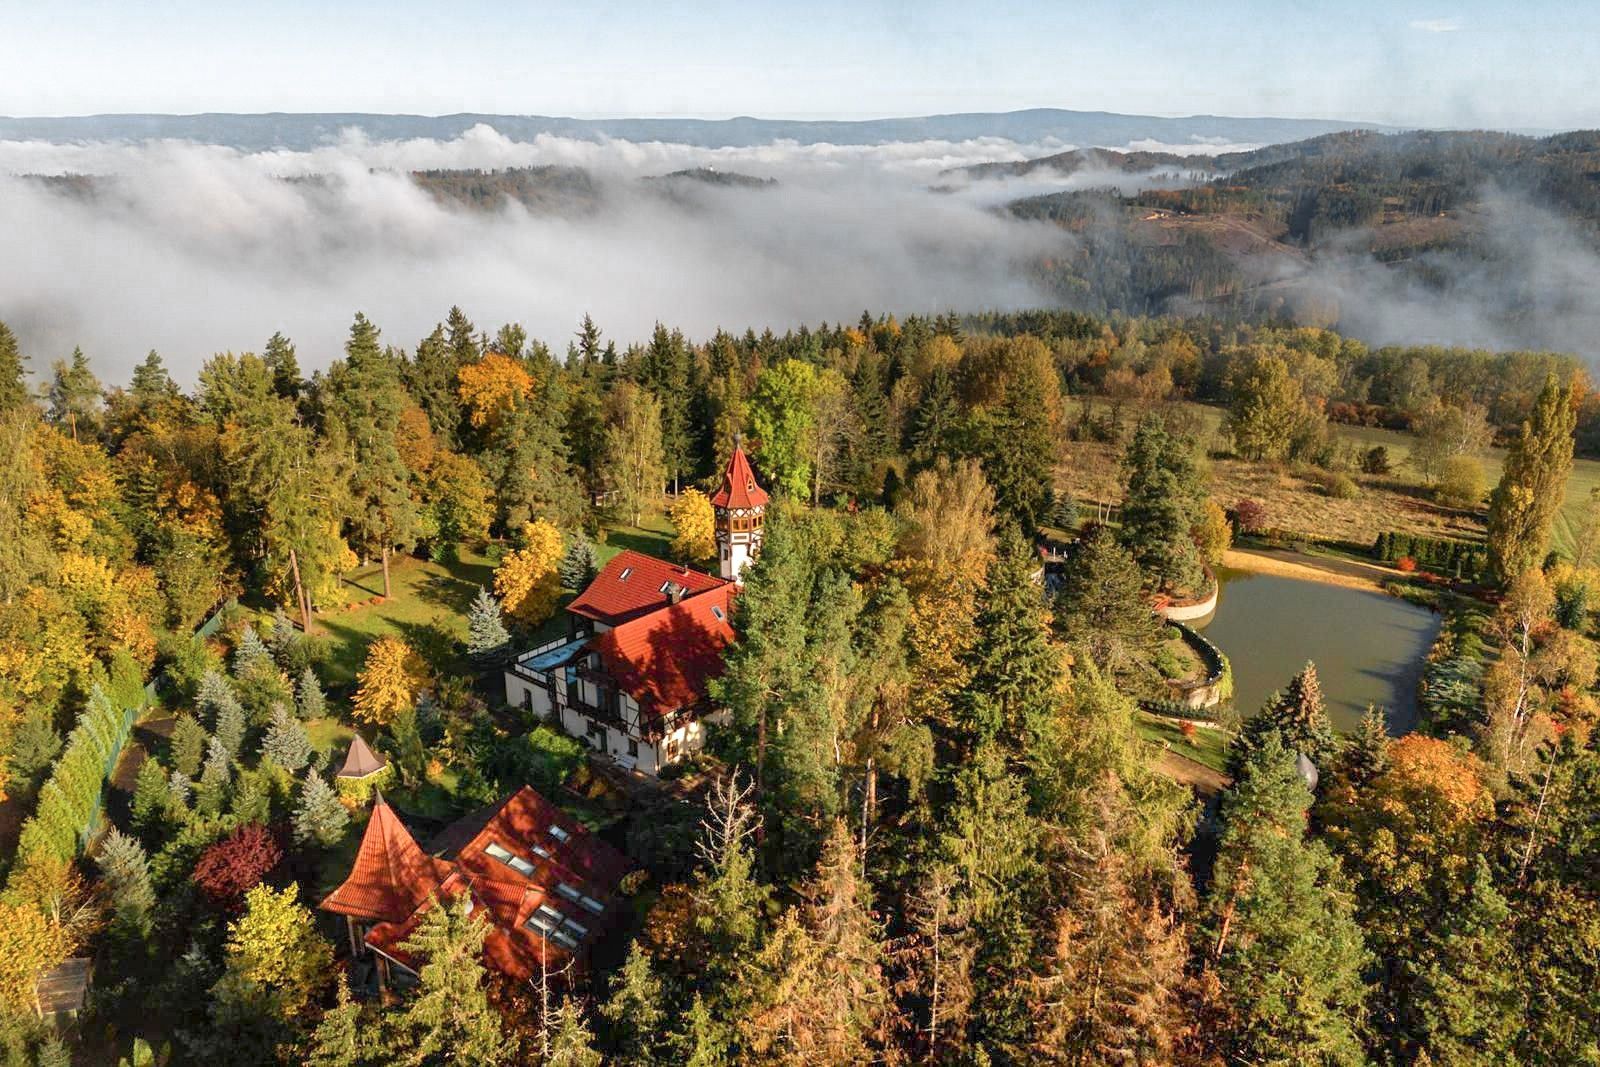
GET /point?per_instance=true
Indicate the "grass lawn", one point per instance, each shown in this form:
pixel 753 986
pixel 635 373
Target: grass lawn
pixel 1392 502
pixel 653 538
pixel 1209 745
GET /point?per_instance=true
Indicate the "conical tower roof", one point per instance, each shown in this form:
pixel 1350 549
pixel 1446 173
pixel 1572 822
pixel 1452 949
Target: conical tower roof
pixel 739 488
pixel 391 875
pixel 361 761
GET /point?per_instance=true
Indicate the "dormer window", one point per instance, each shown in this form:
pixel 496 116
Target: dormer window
pixel 717 612
pixel 624 575
pixel 559 834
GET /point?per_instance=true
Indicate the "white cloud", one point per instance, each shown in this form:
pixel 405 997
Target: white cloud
pixel 1450 25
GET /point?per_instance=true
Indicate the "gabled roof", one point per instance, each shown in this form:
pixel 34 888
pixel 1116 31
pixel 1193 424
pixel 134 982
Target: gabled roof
pixel 664 660
pixel 632 584
pixel 559 847
pixel 739 488
pixel 391 875
pixel 361 761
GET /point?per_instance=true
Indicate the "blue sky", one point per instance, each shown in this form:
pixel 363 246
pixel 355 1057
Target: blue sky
pixel 1529 64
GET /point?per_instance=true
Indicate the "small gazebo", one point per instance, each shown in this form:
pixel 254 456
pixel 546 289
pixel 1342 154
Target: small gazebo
pixel 361 764
pixel 61 990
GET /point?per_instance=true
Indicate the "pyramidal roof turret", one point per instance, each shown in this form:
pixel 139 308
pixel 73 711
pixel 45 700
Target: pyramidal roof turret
pixel 361 761
pixel 391 875
pixel 739 488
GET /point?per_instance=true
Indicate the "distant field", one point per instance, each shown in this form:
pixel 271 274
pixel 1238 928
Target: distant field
pixel 1390 503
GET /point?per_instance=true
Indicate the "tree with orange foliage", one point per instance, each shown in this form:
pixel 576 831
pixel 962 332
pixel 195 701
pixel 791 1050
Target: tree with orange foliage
pixel 528 581
pixel 492 388
pixel 389 681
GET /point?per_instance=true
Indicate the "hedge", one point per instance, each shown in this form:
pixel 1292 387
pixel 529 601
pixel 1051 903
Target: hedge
pixel 1455 559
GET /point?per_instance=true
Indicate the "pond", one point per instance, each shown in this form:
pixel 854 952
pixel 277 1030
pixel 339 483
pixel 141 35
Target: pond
pixel 1368 647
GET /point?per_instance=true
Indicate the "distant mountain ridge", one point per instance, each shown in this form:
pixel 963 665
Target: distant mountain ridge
pixel 257 132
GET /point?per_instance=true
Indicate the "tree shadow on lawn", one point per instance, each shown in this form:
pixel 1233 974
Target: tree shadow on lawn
pixel 651 542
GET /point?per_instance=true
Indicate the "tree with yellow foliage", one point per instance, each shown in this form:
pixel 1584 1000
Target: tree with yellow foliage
pixel 692 517
pixel 390 680
pixel 492 387
pixel 274 947
pixel 527 581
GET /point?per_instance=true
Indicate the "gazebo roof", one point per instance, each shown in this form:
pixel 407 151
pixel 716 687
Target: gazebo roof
pixel 361 761
pixel 62 988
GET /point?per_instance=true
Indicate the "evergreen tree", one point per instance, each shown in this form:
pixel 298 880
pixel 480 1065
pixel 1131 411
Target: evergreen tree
pixel 230 730
pixel 1532 487
pixel 365 397
pixel 309 701
pixel 280 358
pixel 430 378
pixel 1160 505
pixel 180 790
pixel 213 695
pixel 344 1037
pixel 1299 720
pixel 151 386
pixel 449 1017
pixel 188 744
pixel 126 870
pixel 286 742
pixel 487 638
pixel 1016 672
pixel 1282 940
pixel 571 1043
pixel 1102 606
pixel 74 397
pixel 319 816
pixel 250 653
pixel 214 780
pixel 13 371
pixel 937 417
pixel 636 1011
pixel 150 795
pixel 633 465
pixel 579 564
pixel 285 639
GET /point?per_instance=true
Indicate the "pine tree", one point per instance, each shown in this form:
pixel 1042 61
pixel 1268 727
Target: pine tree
pixel 937 959
pixel 1016 672
pixel 487 638
pixel 636 1011
pixel 188 743
pixel 571 1043
pixel 309 701
pixel 279 356
pixel 450 1016
pixel 74 397
pixel 250 653
pixel 126 870
pixel 286 742
pixel 1282 939
pixel 319 816
pixel 579 563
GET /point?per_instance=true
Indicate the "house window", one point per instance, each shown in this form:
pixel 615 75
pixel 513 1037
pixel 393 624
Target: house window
pixel 510 859
pixel 672 749
pixel 633 748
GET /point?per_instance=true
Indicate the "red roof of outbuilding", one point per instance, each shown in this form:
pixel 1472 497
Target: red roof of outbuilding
pixel 391 875
pixel 665 659
pixel 739 488
pixel 631 584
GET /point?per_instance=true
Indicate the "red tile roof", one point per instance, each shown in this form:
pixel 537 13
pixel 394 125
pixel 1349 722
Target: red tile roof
pixel 391 875
pixel 614 599
pixel 664 659
pixel 507 896
pixel 739 488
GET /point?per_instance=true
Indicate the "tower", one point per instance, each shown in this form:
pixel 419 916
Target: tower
pixel 740 507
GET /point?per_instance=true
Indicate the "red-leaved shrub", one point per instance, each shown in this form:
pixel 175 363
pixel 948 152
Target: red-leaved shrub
pixel 1405 564
pixel 1251 516
pixel 234 864
pixel 1187 729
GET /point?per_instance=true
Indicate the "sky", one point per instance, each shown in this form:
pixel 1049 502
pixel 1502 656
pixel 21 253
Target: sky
pixel 1533 64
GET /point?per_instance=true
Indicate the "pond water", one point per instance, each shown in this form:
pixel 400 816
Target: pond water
pixel 1368 647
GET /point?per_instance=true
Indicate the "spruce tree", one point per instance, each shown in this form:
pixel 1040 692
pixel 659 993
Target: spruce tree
pixel 579 563
pixel 13 372
pixel 188 743
pixel 285 638
pixel 1281 936
pixel 1303 718
pixel 150 798
pixel 449 1017
pixel 279 356
pixel 1016 672
pixel 571 1043
pixel 344 1037
pixel 1161 503
pixel 487 638
pixel 309 702
pixel 636 1011
pixel 1102 606
pixel 126 870
pixel 180 790
pixel 214 780
pixel 215 692
pixel 250 653
pixel 230 729
pixel 319 816
pixel 286 742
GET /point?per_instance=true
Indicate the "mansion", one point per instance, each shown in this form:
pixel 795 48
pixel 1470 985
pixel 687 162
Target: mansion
pixel 644 640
